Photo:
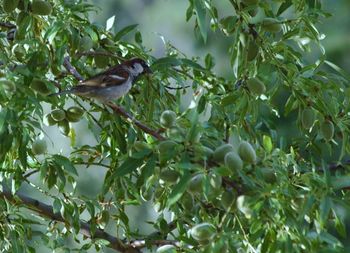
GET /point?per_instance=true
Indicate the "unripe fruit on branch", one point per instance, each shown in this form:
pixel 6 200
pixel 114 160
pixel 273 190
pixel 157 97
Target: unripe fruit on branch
pixel 74 114
pixel 247 152
pixel 307 118
pixel 10 5
pixel 58 115
pixel 271 25
pixel 196 183
pixel 256 86
pixel 220 152
pixel 41 8
pixel 203 232
pixel 252 50
pixel 169 176
pixel 39 86
pixel 168 118
pixel 85 43
pixel 233 161
pixel 39 147
pixel 327 130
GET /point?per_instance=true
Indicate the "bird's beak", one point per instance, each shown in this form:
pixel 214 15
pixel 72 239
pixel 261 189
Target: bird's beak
pixel 148 70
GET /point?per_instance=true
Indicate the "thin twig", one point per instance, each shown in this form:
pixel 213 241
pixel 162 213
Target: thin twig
pixel 7 25
pixel 177 88
pixel 31 173
pixel 47 211
pixel 71 69
pixel 122 112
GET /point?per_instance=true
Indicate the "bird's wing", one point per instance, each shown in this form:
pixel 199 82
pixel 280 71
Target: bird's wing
pixel 112 77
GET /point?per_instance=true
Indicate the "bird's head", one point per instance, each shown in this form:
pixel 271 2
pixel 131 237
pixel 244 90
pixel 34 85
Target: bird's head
pixel 138 66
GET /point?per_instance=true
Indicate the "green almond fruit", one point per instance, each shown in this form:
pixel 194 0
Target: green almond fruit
pixel 220 152
pixel 166 249
pixel 7 85
pixel 85 44
pixel 271 25
pixel 168 118
pixel 146 193
pixel 42 8
pixel 39 147
pixel 268 175
pixel 169 176
pixel 247 152
pixel 252 50
pixel 233 161
pixel 256 86
pixel 250 2
pixel 58 114
pixel 10 5
pixel 140 145
pixel 64 127
pixel 227 199
pixel 307 118
pixel 40 86
pixel 203 151
pixel 243 206
pixel 203 232
pixel 48 120
pixel 196 184
pixel 74 114
pixel 166 145
pixel 327 130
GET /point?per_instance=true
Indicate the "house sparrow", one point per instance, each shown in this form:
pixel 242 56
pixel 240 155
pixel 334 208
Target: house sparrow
pixel 112 83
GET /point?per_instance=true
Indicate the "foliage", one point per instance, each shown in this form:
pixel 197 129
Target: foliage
pixel 287 195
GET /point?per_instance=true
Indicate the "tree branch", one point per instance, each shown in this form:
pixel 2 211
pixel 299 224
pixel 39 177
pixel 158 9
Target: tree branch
pixel 7 25
pixel 122 112
pixel 85 228
pixel 71 69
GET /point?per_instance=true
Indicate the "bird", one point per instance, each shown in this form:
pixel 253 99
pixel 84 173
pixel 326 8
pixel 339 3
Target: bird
pixel 112 83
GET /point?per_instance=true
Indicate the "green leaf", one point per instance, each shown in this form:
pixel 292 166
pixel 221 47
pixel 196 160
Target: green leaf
pixel 165 62
pixel 325 208
pixel 110 23
pixel 201 18
pixel 124 31
pixel 3 114
pixel 148 169
pixel 179 189
pixel 284 7
pixel 267 143
pixel 340 182
pixel 65 163
pixel 56 206
pixel 128 166
pixel 138 37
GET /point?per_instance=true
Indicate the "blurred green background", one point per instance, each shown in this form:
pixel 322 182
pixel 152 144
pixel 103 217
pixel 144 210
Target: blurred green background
pixel 166 18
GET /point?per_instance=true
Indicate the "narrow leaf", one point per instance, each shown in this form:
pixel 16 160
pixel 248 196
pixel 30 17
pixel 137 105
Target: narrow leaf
pixel 179 189
pixel 201 18
pixel 124 31
pixel 128 166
